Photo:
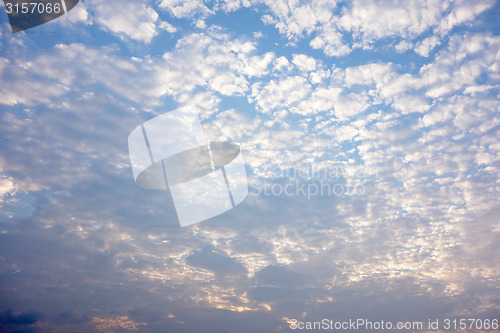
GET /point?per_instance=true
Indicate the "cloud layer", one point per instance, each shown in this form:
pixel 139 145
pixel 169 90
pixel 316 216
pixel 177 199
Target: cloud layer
pixel 370 133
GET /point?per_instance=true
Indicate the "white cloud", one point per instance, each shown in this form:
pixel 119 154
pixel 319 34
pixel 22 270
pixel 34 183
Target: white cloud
pixel 321 99
pixel 403 46
pixel 410 103
pixel 233 5
pixel 425 47
pixel 439 114
pixel 345 133
pixel 377 19
pixel 78 14
pixel 461 63
pixel 228 84
pixel 350 105
pixel 280 94
pixel 282 64
pixel 304 63
pixel 473 89
pixel 7 186
pixel 378 74
pixel 167 27
pixel 207 59
pixel 369 21
pixel 89 66
pixel 433 193
pixel 256 65
pixel 463 11
pixel 331 41
pixel 233 125
pixel 126 18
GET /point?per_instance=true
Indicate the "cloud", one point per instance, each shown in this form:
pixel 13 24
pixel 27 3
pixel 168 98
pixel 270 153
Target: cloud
pixel 417 135
pixel 126 18
pixel 279 276
pixel 190 8
pixel 280 94
pixel 20 83
pixel 54 72
pixel 409 104
pixel 460 65
pixel 425 46
pixel 462 12
pixel 403 46
pixel 229 84
pixel 295 19
pixel 304 63
pixel 78 14
pixel 217 263
pixel 373 20
pixel 370 21
pixel 12 321
pixel 50 75
pixel 167 26
pixel 331 42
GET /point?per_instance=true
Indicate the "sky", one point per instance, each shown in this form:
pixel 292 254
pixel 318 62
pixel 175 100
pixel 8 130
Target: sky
pixel 371 140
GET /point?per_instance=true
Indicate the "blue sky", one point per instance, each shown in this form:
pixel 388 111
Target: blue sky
pixel 393 105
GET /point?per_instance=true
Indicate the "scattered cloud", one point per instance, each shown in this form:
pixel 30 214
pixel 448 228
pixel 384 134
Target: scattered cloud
pixel 128 18
pixel 391 110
